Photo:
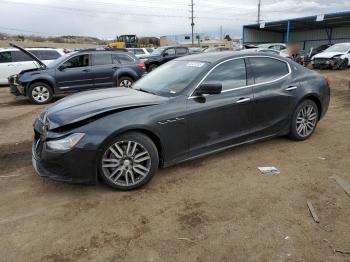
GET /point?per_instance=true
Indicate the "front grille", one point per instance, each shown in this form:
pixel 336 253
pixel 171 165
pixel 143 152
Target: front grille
pixel 321 60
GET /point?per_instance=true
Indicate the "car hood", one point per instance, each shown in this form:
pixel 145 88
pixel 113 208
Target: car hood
pixel 42 65
pixel 328 54
pixel 85 105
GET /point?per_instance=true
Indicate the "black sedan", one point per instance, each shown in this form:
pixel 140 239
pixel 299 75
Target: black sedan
pixel 187 108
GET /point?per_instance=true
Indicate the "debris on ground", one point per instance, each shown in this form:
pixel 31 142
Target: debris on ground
pixel 185 238
pixel 336 250
pixel 341 182
pixel 269 170
pixel 321 158
pixel 313 212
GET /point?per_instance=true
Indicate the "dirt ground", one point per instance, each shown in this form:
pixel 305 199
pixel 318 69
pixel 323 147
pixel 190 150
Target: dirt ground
pixel 218 208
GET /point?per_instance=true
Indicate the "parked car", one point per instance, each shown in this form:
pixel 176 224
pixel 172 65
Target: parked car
pixel 336 57
pixel 77 71
pixel 195 50
pixel 275 46
pixel 141 53
pixel 317 50
pixel 13 61
pixel 217 49
pixel 164 54
pixel 187 108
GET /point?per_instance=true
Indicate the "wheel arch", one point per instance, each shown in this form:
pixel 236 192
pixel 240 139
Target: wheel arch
pixel 316 100
pixel 152 135
pixel 43 80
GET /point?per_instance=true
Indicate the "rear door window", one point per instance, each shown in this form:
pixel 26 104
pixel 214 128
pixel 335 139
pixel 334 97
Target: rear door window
pixel 101 59
pixel 139 51
pixel 231 74
pixel 268 69
pixel 122 59
pixel 18 56
pixel 181 51
pixel 5 57
pixel 77 61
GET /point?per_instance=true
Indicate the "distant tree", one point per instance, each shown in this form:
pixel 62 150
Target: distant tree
pixel 228 38
pixel 20 37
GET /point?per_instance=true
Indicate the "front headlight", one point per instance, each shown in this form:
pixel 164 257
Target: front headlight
pixel 65 143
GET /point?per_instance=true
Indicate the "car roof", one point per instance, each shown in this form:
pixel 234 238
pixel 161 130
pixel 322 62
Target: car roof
pixel 29 48
pixel 215 57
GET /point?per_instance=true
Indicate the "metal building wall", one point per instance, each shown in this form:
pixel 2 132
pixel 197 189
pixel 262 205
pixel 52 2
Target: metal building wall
pixel 307 39
pixel 314 38
pixel 254 36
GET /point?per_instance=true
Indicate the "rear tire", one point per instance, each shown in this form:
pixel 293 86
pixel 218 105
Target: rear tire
pixel 129 161
pixel 125 81
pixel 40 93
pixel 304 120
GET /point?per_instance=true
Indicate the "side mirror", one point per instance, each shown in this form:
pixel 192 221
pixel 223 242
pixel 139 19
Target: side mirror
pixel 61 67
pixel 209 89
pixel 165 54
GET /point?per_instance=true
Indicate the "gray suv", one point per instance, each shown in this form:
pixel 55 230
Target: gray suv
pixel 78 71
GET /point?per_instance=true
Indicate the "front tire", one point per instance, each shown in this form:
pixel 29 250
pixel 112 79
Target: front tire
pixel 304 120
pixel 40 93
pixel 129 161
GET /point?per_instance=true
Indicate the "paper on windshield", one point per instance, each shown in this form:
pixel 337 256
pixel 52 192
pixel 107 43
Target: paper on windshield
pixel 195 64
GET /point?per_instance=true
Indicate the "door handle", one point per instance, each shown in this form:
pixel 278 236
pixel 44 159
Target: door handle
pixel 291 88
pixel 86 70
pixel 243 100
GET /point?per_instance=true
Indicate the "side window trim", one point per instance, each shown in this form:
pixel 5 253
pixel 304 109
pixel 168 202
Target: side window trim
pixel 248 70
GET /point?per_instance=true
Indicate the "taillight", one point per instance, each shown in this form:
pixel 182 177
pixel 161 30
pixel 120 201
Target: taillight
pixel 328 80
pixel 142 66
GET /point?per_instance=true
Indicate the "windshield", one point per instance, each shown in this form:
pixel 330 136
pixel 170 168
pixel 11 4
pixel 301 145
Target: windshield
pixel 338 48
pixel 58 61
pixel 171 78
pixel 157 51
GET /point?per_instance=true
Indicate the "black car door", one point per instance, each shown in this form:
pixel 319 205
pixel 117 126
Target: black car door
pixel 103 70
pixel 168 54
pixel 273 89
pixel 75 74
pixel 224 119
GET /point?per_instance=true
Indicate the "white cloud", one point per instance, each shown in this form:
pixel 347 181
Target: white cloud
pixel 107 18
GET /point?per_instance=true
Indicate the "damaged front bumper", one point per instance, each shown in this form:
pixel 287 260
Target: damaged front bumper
pixel 16 88
pixel 325 63
pixel 77 165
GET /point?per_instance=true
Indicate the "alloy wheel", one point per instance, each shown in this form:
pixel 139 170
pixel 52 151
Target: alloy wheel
pixel 125 83
pixel 126 163
pixel 306 120
pixel 40 94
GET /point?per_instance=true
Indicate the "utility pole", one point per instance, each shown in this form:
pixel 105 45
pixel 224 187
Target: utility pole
pixel 221 32
pixel 192 21
pixel 259 5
